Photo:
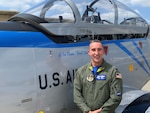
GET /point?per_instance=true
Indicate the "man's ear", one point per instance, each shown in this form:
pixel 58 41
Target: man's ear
pixel 88 52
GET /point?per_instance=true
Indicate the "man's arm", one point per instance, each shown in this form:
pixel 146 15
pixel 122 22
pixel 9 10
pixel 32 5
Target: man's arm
pixel 78 98
pixel 116 89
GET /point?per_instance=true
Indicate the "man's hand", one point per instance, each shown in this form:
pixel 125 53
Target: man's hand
pixel 96 111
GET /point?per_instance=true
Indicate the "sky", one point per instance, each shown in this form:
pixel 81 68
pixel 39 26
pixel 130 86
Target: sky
pixel 142 7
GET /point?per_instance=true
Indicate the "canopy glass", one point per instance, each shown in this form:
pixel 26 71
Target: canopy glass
pixel 97 11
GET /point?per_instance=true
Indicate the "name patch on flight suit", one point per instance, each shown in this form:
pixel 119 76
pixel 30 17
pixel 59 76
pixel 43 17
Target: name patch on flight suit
pixel 101 77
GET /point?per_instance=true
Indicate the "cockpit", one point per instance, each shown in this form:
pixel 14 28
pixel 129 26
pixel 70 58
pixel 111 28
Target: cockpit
pixel 98 11
pixel 85 18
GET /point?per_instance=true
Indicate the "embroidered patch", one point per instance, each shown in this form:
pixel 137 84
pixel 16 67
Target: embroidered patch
pixel 90 77
pixel 118 93
pixel 118 75
pixel 101 77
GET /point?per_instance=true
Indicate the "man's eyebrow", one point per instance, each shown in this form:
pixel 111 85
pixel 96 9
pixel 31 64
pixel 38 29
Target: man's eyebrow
pixel 92 48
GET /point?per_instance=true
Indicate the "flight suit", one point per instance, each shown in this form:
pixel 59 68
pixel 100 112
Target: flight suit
pixel 101 91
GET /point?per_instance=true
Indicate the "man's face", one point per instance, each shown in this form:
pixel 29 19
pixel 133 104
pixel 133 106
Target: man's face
pixel 96 52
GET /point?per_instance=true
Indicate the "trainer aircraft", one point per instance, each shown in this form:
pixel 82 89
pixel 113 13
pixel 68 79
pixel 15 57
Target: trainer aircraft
pixel 42 47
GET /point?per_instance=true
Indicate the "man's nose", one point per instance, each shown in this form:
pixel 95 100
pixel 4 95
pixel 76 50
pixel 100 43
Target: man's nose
pixel 96 52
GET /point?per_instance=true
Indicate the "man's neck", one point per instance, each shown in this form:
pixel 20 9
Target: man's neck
pixel 97 63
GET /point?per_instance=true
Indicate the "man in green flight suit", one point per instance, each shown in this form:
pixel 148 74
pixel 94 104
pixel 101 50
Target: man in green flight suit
pixel 98 84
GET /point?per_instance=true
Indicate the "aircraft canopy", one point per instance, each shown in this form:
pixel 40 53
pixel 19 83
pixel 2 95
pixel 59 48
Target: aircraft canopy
pixel 97 11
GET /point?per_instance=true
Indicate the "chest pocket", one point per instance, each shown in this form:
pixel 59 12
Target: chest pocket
pixel 102 80
pixel 98 81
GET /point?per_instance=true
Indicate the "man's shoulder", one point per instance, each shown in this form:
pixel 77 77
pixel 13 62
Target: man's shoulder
pixel 106 64
pixel 84 67
pixel 110 66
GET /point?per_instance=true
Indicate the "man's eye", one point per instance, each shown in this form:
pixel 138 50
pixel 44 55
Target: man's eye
pixel 93 49
pixel 100 49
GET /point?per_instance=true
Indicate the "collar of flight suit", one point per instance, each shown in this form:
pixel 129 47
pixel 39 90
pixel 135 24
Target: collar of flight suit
pixel 101 67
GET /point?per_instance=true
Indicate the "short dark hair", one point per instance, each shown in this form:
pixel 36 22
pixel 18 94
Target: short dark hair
pixel 95 41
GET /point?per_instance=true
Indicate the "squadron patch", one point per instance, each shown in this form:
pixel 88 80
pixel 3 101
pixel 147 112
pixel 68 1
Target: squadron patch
pixel 90 77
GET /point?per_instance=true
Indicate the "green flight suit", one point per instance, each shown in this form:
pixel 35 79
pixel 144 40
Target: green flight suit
pixel 105 93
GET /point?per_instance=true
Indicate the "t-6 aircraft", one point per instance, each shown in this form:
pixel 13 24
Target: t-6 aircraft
pixel 41 49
